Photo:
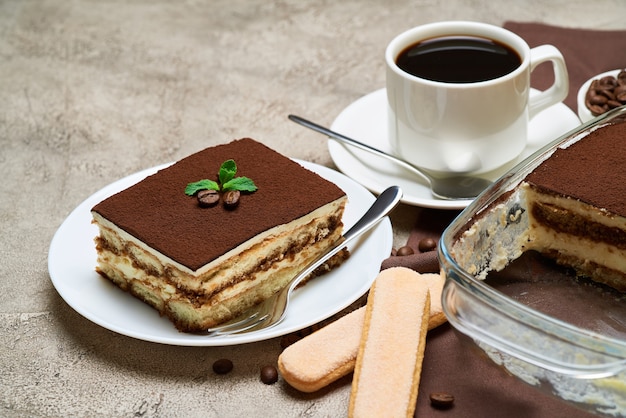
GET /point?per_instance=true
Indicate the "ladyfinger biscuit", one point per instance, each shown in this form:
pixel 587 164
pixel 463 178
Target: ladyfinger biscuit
pixel 389 362
pixel 435 283
pixel 324 356
pixel 330 353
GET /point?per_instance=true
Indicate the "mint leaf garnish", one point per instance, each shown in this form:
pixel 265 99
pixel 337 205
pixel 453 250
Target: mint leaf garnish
pixel 195 187
pixel 243 184
pixel 227 179
pixel 227 171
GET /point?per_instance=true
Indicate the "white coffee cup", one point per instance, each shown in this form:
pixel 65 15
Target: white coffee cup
pixel 470 127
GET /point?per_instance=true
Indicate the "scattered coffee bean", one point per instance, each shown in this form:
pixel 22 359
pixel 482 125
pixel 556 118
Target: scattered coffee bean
pixel 222 366
pixel 441 400
pixel 427 244
pixel 231 198
pixel 207 198
pixel 406 250
pixel 269 375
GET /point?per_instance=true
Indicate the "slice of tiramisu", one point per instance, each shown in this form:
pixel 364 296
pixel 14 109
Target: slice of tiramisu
pixel 202 260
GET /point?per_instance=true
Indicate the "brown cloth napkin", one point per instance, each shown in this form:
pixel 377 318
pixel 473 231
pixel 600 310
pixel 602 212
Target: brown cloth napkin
pixel 430 223
pixel 479 387
pixel 586 53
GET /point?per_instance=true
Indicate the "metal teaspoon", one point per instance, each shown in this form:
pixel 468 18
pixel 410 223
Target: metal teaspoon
pixel 449 188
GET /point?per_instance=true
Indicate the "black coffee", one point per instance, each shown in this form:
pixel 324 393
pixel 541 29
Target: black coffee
pixel 458 59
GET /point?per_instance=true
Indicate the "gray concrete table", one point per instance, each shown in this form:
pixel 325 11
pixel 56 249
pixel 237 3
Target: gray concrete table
pixel 93 91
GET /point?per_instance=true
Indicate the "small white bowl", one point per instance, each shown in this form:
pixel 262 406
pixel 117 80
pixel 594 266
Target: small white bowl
pixel 584 113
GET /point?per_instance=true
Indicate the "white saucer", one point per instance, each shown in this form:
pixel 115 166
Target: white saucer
pixel 366 120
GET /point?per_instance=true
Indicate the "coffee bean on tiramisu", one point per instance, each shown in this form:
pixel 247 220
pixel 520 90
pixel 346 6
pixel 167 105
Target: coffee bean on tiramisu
pixel 231 198
pixel 269 375
pixel 222 366
pixel 441 400
pixel 427 244
pixel 403 251
pixel 208 198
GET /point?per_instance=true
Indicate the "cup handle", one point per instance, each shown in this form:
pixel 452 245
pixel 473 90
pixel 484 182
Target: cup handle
pixel 557 91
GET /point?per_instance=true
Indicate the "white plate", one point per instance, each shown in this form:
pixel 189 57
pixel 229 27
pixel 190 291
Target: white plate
pixel 72 262
pixel 366 120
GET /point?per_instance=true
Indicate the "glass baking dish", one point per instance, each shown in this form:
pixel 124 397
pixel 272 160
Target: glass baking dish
pixel 564 335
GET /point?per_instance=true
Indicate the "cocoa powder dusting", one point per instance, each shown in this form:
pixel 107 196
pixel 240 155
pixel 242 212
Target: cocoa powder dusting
pixel 157 211
pixel 591 170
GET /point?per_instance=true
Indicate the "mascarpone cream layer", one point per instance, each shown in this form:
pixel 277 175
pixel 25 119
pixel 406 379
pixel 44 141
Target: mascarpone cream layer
pixel 503 233
pixel 544 238
pixel 159 261
pixel 122 267
pixel 585 210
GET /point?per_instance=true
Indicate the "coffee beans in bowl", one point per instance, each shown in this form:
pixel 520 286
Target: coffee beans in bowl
pixel 602 93
pixel 606 93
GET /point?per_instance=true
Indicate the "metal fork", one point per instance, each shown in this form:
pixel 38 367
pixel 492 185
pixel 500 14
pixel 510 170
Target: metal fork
pixel 273 310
